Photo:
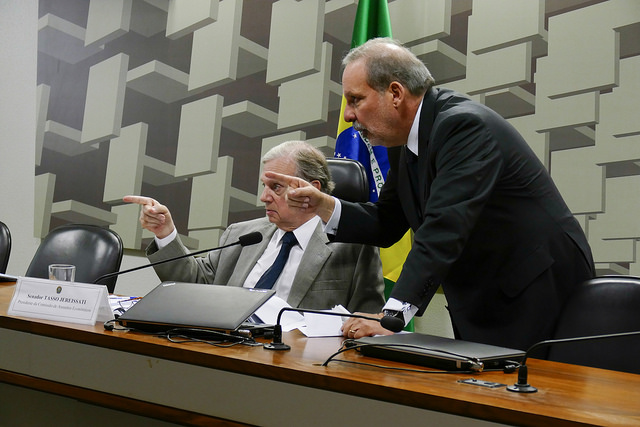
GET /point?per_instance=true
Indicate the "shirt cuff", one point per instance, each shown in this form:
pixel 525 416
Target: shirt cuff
pixel 408 310
pixel 161 243
pixel 331 226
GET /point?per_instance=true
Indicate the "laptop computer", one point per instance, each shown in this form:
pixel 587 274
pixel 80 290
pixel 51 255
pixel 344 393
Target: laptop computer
pixel 7 278
pixel 178 305
pixel 438 352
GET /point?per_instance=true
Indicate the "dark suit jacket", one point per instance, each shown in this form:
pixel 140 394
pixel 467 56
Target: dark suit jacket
pixel 329 273
pixel 490 226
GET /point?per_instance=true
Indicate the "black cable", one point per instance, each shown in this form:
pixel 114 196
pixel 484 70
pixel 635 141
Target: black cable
pixel 189 335
pixel 215 338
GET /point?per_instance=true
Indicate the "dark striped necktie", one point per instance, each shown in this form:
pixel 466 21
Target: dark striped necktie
pixel 270 276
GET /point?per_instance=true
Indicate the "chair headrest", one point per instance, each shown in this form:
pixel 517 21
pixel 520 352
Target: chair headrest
pixel 350 178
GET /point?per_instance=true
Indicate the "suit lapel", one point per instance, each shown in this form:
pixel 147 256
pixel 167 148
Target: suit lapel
pixel 314 258
pixel 413 204
pixel 427 116
pixel 407 197
pixel 249 256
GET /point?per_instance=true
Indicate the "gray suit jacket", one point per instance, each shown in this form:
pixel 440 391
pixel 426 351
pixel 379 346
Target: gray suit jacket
pixel 329 273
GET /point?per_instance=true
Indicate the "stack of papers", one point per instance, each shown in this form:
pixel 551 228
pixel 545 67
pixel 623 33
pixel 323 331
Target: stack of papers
pixel 311 324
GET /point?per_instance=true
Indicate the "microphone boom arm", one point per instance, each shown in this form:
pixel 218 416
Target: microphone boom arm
pixel 116 273
pixel 522 386
pixel 277 343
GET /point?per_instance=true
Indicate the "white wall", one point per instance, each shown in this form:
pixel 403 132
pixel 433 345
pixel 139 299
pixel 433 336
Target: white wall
pixel 18 47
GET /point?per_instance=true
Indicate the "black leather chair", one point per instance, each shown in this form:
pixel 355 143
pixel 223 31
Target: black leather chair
pixel 603 305
pixel 350 178
pixel 5 247
pixel 95 251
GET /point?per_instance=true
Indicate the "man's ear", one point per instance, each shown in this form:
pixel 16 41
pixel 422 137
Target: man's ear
pixel 397 91
pixel 316 184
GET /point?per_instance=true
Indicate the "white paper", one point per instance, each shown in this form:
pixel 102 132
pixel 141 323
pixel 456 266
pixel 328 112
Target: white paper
pixel 310 324
pixel 322 325
pixel 268 313
pixel 120 304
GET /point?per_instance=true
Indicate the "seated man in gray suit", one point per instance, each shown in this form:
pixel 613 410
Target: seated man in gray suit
pixel 318 274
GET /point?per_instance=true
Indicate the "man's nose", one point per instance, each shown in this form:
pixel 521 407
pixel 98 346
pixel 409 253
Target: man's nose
pixel 264 197
pixel 349 115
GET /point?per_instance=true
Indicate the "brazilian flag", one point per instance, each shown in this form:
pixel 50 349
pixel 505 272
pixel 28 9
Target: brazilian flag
pixel 372 20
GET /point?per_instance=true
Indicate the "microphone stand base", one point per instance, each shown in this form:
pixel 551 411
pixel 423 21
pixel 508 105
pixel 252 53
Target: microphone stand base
pixel 276 346
pixel 522 388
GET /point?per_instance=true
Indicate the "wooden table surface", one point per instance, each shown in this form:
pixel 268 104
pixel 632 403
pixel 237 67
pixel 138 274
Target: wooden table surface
pixel 567 394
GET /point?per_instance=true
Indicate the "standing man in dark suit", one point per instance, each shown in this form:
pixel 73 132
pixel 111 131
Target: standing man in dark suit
pixel 318 274
pixel 490 225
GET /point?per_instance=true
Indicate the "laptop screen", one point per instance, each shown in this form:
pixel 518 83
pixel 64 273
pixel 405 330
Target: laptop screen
pixel 173 305
pixel 438 352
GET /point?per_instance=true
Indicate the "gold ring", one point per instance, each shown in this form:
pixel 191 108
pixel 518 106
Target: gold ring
pixel 353 331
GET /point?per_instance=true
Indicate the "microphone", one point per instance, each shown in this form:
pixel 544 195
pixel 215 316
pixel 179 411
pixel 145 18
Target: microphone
pixel 277 343
pixel 244 240
pixel 248 239
pixel 391 322
pixel 522 386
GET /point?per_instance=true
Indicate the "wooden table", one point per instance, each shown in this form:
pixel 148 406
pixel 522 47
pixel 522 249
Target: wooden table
pixel 198 384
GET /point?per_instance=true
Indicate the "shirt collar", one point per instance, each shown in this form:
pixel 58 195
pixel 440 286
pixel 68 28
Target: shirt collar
pixel 303 233
pixel 412 141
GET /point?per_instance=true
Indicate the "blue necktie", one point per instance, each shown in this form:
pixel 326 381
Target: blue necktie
pixel 270 276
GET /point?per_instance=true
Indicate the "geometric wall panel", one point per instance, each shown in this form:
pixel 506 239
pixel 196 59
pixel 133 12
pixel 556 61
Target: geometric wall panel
pixel 159 81
pixel 570 111
pixel 525 24
pixel 538 142
pixel 231 57
pixel 64 139
pixel 44 187
pixel 199 138
pixel 510 102
pixel 619 109
pixel 78 212
pixel 186 16
pixel 108 20
pixel 125 165
pixel 295 40
pixel 322 94
pixel 588 59
pixel 249 119
pixel 418 21
pixel 620 221
pixel 179 99
pixel 105 99
pixel 579 179
pixel 444 62
pixel 339 16
pixel 63 40
pixel 43 92
pixel 612 234
pixel 498 69
pixel 213 186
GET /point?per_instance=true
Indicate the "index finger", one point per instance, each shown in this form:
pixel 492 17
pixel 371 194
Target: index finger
pixel 291 181
pixel 141 200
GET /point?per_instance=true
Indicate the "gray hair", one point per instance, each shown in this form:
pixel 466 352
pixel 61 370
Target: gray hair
pixel 386 61
pixel 311 164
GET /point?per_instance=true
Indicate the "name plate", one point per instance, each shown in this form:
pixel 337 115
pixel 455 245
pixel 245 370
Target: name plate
pixel 62 301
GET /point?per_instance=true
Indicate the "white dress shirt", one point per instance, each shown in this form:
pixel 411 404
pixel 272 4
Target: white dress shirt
pixel 331 226
pixel 285 281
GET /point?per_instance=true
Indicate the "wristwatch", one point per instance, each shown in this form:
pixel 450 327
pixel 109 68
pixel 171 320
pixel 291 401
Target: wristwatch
pixel 394 313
